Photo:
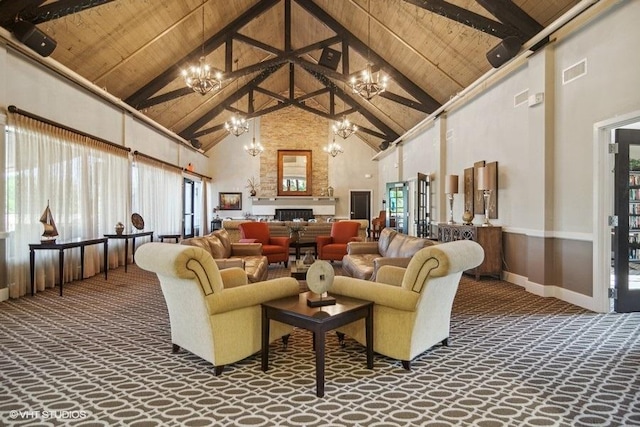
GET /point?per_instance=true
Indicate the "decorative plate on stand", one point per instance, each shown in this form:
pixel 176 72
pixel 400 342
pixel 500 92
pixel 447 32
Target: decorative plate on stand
pixel 319 280
pixel 137 221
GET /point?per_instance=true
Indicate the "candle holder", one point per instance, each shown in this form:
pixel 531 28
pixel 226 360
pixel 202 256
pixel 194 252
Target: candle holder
pixel 487 196
pixel 450 197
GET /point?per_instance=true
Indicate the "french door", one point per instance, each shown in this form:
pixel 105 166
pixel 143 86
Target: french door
pixel 626 235
pixel 398 206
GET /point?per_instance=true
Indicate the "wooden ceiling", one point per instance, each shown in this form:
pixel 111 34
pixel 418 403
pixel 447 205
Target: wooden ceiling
pixel 269 52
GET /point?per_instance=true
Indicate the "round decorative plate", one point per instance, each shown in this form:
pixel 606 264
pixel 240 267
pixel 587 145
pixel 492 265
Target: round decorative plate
pixel 137 221
pixel 320 277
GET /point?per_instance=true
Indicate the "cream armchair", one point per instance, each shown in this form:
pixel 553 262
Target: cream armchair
pixel 215 314
pixel 412 309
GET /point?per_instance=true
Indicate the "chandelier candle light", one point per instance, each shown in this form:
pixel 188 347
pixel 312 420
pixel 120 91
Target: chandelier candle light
pixel 344 128
pixel 254 148
pixel 483 185
pixel 202 78
pixel 451 188
pixel 334 148
pixel 237 125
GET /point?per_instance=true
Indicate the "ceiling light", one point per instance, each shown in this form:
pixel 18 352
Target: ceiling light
pixel 254 149
pixel 344 128
pixel 237 125
pixel 334 148
pixel 202 78
pixel 368 84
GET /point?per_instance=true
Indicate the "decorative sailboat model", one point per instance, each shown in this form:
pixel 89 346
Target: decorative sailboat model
pixel 50 231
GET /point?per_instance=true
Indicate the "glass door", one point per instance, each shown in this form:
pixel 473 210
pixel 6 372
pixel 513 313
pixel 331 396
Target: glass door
pixel 188 209
pixel 422 206
pixel 626 239
pixel 397 206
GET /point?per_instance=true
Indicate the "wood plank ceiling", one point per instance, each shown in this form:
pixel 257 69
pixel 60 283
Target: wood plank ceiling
pixel 269 52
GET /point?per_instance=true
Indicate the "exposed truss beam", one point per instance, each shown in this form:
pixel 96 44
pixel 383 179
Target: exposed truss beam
pixel 168 75
pixel 468 18
pixel 510 14
pixel 10 9
pixel 59 9
pixel 410 87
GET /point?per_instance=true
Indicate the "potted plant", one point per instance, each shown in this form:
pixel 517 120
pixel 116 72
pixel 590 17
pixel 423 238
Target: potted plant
pixel 252 185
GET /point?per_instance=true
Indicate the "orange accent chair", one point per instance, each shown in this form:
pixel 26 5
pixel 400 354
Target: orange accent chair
pixel 334 247
pixel 276 249
pixel 377 224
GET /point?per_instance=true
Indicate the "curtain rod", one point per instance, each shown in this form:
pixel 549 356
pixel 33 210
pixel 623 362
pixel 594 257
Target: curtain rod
pixel 138 153
pixel 16 110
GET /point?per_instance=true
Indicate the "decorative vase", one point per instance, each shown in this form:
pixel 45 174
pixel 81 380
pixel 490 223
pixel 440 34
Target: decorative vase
pixel 294 235
pixel 308 258
pixel 467 217
pixel 252 193
pixel 330 191
pixel 119 228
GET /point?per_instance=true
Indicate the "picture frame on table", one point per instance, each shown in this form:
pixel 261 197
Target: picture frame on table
pixel 230 201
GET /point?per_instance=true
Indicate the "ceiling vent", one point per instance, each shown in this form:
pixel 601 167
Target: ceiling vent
pixel 574 72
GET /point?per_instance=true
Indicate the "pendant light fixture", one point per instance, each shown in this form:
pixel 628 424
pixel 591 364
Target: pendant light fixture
pixel 254 149
pixel 237 125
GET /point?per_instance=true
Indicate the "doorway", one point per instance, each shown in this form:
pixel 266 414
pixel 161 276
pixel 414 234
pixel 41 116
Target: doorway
pixel 603 206
pixel 398 206
pixel 626 235
pixel 192 203
pixel 360 203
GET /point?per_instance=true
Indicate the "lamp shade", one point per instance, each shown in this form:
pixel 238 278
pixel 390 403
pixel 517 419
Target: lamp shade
pixel 451 184
pixel 483 178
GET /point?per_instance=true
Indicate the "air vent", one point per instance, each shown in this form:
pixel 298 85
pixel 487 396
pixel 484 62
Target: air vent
pixel 574 72
pixel 521 98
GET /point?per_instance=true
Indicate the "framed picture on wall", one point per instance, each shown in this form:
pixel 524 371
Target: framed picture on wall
pixel 230 201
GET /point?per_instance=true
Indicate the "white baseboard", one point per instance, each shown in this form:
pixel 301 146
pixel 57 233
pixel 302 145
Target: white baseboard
pixel 565 295
pixel 4 294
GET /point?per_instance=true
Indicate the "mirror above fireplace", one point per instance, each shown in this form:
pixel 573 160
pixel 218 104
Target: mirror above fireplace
pixel 294 173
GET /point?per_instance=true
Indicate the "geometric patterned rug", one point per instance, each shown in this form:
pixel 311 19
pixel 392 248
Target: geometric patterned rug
pixel 101 356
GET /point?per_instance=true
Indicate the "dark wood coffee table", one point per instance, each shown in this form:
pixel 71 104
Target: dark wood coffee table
pixel 319 320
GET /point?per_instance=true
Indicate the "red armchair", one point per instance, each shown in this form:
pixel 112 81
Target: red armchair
pixel 334 247
pixel 276 249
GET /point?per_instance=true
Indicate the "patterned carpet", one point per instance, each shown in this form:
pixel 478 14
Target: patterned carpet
pixel 101 356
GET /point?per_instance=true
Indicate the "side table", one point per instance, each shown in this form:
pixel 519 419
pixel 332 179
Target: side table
pixel 126 237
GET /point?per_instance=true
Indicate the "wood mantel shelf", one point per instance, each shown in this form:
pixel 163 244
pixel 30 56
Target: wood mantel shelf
pixel 321 205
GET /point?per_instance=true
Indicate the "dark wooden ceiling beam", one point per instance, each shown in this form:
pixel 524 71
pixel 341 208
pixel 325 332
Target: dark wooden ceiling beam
pixel 55 10
pixel 400 79
pixel 257 44
pixel 10 9
pixel 510 14
pixel 466 17
pixel 168 75
pixel 187 132
pixel 313 94
pixel 403 101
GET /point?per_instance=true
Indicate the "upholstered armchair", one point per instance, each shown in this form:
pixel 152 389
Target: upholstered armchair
pixel 334 247
pixel 276 249
pixel 412 309
pixel 377 224
pixel 215 314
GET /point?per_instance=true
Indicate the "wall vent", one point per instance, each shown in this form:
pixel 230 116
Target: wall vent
pixel 521 98
pixel 574 72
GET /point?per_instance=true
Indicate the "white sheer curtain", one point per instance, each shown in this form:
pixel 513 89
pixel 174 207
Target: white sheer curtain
pixel 157 195
pixel 85 182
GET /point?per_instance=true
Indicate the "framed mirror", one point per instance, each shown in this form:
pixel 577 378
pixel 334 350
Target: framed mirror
pixel 294 172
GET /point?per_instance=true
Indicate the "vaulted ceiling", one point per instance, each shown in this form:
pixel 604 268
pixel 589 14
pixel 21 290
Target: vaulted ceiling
pixel 270 54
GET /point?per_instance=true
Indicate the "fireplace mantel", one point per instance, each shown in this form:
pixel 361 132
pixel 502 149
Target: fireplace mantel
pixel 320 205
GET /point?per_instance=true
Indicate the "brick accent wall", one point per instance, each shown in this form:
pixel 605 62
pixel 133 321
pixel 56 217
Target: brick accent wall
pixel 293 129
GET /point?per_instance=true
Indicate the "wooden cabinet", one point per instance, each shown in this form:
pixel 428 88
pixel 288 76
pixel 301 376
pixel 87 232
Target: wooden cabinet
pixel 490 238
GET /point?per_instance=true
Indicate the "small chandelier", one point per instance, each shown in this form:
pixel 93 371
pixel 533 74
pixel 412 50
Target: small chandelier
pixel 369 84
pixel 344 128
pixel 334 148
pixel 237 125
pixel 202 78
pixel 254 149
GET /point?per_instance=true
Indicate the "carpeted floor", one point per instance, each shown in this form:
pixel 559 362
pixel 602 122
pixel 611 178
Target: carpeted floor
pixel 101 355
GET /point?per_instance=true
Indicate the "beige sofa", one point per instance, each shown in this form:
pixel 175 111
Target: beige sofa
pixel 281 228
pixel 226 254
pixel 363 259
pixel 412 306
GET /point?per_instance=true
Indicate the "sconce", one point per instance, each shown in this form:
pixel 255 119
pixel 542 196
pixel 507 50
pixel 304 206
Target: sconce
pixel 451 188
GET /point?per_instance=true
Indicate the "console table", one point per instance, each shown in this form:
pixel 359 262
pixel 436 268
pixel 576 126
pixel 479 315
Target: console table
pixel 490 238
pixel 126 237
pixel 60 247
